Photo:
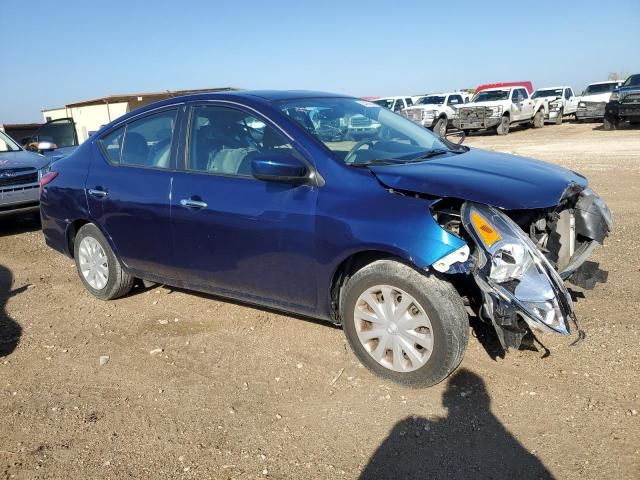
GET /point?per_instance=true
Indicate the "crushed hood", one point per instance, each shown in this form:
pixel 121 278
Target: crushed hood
pixel 496 179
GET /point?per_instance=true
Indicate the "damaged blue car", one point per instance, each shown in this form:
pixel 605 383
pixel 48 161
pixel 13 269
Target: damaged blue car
pixel 334 208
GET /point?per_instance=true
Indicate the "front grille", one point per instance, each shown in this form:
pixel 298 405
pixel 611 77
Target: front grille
pixel 18 176
pixel 472 114
pixel 631 98
pixel 415 115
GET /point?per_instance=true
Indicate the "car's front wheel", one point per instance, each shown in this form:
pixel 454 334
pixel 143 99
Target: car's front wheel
pixel 99 269
pixel 404 325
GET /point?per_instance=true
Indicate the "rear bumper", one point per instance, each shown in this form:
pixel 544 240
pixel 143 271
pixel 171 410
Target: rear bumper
pixel 19 199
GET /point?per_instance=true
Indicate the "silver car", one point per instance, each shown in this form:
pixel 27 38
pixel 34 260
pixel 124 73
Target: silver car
pixel 20 173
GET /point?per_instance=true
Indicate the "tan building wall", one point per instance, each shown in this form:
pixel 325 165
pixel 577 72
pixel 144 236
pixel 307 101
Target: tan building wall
pixel 88 118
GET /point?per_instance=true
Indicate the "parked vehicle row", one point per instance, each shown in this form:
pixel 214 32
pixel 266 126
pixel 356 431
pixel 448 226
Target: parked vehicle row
pixel 246 196
pixel 499 106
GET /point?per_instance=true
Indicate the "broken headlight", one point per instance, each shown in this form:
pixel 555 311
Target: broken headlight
pixel 511 269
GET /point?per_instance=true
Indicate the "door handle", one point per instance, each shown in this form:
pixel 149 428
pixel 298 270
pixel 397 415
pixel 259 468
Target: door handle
pixel 190 203
pixel 97 193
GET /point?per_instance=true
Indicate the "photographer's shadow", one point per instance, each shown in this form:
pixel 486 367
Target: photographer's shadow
pixel 469 443
pixel 10 330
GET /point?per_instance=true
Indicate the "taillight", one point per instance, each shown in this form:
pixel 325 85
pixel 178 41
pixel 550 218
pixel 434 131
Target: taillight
pixel 46 179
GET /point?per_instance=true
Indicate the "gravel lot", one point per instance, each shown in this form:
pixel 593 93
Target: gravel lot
pixel 171 384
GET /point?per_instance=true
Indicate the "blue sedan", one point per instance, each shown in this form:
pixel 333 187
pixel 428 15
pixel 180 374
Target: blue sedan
pixel 329 207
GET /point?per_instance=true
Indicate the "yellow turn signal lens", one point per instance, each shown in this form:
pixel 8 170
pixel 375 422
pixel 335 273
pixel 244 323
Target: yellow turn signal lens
pixel 486 232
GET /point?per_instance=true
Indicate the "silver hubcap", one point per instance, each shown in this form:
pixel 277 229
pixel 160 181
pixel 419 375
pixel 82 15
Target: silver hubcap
pixel 393 328
pixel 93 263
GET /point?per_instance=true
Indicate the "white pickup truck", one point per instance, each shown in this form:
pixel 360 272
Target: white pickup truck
pixel 500 108
pixel 436 111
pixel 561 100
pixel 591 104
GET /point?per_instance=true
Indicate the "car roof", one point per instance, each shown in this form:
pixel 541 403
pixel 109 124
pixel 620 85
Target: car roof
pixel 608 81
pixel 553 88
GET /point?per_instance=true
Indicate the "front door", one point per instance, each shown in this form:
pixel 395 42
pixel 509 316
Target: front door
pixel 236 235
pixel 128 191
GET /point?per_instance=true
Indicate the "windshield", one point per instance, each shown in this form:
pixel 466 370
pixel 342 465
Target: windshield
pixel 600 88
pixel 633 80
pixel 553 92
pixel 360 132
pixel 431 100
pixel 7 144
pixel 491 96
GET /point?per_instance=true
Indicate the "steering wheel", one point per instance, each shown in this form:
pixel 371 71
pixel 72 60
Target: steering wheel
pixel 348 159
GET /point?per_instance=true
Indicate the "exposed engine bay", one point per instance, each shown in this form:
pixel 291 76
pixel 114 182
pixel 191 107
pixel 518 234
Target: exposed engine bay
pixel 520 259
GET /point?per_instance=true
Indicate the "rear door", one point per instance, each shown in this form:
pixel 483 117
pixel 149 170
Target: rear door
pixel 129 190
pixel 517 104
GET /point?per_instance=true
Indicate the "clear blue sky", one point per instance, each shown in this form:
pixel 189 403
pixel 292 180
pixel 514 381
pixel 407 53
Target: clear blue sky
pixel 57 52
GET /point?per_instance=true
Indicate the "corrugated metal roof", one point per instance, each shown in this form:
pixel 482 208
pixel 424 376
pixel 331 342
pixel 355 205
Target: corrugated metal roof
pixel 154 96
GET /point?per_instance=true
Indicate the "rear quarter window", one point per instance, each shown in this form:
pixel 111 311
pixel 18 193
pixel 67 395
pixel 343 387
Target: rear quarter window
pixel 112 145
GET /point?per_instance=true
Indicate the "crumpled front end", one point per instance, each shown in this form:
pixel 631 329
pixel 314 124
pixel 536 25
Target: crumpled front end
pixel 520 261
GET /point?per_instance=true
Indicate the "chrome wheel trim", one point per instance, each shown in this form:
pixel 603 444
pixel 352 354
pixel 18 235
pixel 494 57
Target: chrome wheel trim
pixel 94 265
pixel 393 328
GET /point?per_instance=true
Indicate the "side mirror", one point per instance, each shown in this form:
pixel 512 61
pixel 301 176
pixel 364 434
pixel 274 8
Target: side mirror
pixel 279 167
pixel 455 136
pixel 46 146
pixel 519 98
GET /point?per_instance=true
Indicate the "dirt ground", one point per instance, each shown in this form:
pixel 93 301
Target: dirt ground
pixel 172 384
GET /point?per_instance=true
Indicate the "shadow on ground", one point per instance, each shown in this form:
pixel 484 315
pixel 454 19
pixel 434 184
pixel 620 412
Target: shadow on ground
pixel 469 443
pixel 17 224
pixel 10 331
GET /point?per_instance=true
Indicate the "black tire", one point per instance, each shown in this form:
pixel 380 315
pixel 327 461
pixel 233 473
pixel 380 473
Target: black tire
pixel 559 117
pixel 634 122
pixel 503 127
pixel 440 128
pixel 610 122
pixel 119 282
pixel 538 119
pixel 466 131
pixel 437 298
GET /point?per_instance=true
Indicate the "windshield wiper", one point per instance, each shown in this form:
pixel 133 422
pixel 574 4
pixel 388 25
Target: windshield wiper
pixel 370 163
pixel 433 153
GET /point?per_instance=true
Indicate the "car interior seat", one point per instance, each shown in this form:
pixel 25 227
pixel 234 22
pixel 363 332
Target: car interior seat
pixel 135 150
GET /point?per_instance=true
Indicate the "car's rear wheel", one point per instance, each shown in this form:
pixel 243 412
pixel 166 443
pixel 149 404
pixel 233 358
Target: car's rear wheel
pixel 503 126
pixel 99 269
pixel 403 325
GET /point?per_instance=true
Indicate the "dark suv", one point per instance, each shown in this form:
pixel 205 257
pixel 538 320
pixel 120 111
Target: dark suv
pixel 624 104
